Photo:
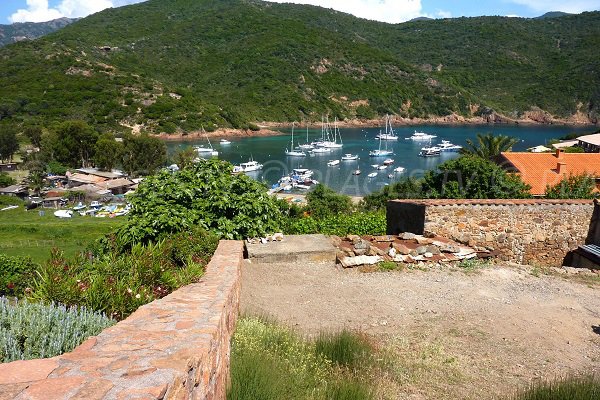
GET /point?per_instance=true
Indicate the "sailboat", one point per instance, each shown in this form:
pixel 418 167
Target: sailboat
pixel 201 149
pixel 332 143
pixel 389 131
pixel 379 152
pixel 292 152
pixel 307 145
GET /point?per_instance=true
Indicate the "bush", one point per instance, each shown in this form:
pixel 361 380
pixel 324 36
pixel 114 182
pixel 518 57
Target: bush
pixel 571 388
pixel 16 274
pixel 406 188
pixel 30 330
pixel 118 283
pixel 573 187
pixel 10 201
pixel 358 223
pixel 205 194
pixel 6 180
pixel 325 202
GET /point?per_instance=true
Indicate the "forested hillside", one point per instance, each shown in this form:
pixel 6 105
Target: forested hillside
pixel 30 30
pixel 182 64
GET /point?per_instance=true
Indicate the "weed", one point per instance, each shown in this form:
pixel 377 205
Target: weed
pixel 344 348
pixel 472 264
pixel 387 266
pixel 569 388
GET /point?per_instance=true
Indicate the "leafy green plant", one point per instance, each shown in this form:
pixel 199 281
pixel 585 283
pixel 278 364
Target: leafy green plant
pixel 357 223
pixel 16 274
pixel 325 202
pixel 205 194
pixel 573 187
pixel 405 188
pixel 6 180
pixel 489 145
pixel 388 266
pixel 570 388
pixel 36 330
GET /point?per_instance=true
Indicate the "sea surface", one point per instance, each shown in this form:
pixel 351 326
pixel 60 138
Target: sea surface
pixel 270 151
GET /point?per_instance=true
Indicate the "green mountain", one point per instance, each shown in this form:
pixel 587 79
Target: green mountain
pixel 553 14
pixel 165 65
pixel 30 30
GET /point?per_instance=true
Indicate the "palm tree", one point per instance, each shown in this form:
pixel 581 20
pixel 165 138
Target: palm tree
pixel 488 146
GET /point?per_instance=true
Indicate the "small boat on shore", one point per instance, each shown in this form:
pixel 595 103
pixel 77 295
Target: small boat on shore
pixel 63 214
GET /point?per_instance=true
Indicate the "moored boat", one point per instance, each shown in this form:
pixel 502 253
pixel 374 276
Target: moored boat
pixel 421 136
pixel 430 152
pixel 372 175
pixel 349 157
pixel 333 163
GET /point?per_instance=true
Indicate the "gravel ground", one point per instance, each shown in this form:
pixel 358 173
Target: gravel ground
pixel 454 334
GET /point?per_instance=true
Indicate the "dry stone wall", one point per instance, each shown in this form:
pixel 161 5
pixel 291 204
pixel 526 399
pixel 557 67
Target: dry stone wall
pixel 174 348
pixel 537 232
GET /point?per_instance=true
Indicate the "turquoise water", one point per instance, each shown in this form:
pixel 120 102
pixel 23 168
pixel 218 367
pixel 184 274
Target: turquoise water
pixel 270 151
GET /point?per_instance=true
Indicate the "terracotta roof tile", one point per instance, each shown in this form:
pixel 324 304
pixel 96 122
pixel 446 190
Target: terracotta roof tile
pixel 541 169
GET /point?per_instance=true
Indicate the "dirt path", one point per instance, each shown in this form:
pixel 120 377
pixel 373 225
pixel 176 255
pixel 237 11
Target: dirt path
pixel 450 334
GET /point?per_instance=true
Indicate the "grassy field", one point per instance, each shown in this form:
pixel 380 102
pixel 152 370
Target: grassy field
pixel 26 233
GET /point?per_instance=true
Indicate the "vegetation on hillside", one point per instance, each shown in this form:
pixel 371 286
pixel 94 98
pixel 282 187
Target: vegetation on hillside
pixel 185 64
pixel 30 30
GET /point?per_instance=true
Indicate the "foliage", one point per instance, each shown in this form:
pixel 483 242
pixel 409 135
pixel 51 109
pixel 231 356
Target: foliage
pixel 108 152
pixel 185 157
pixel 6 180
pixel 445 68
pixel 56 168
pixel 272 362
pixel 569 388
pixel 118 283
pixel 405 188
pixel 324 202
pixel 71 143
pixel 358 223
pixel 16 274
pixel 574 149
pixel 8 143
pixel 572 187
pixel 205 194
pixel 488 146
pixel 472 177
pixel 35 330
pixel 34 134
pixel 9 201
pixel 142 155
pixel 30 30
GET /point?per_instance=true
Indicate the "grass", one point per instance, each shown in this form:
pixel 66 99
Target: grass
pixel 472 265
pixel 269 361
pixel 569 388
pixel 26 233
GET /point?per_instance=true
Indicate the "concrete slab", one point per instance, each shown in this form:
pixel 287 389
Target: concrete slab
pixel 293 248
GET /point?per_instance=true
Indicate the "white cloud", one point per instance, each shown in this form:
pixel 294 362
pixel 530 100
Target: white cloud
pixel 571 6
pixel 392 11
pixel 39 10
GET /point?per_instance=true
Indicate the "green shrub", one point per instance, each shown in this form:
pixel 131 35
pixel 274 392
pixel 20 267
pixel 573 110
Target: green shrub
pixel 118 283
pixel 406 188
pixel 572 187
pixel 344 349
pixel 387 266
pixel 358 223
pixel 16 274
pixel 32 330
pixel 325 202
pixel 570 388
pixel 6 180
pixel 10 201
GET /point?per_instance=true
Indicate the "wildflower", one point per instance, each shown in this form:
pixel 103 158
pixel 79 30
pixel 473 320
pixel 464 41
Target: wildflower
pixel 137 296
pixel 129 291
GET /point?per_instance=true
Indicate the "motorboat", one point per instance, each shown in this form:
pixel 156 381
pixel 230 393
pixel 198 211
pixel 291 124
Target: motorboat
pixel 391 176
pixel 389 132
pixel 446 146
pixel 372 175
pixel 430 151
pixel 350 157
pixel 421 136
pixel 63 213
pixel 382 167
pixel 356 172
pixel 333 163
pixel 80 206
pixel 320 150
pixel 375 166
pixel 224 142
pixel 249 166
pixel 95 204
pixel 399 169
pixel 388 161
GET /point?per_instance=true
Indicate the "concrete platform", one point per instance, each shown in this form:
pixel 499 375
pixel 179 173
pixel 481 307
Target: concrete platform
pixel 293 248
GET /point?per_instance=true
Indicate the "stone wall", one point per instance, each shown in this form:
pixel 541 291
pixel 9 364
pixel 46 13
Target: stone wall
pixel 173 348
pixel 537 232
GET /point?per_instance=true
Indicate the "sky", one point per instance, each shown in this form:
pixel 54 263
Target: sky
pixel 392 11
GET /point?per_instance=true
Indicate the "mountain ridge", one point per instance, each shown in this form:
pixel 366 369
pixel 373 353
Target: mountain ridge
pixel 231 63
pixel 18 31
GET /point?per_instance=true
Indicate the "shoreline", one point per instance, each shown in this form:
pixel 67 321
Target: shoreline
pixel 267 128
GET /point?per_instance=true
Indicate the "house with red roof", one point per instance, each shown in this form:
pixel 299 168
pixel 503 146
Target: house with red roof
pixel 540 170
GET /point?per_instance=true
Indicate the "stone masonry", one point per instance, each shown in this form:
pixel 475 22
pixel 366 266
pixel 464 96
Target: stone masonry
pixel 537 232
pixel 174 348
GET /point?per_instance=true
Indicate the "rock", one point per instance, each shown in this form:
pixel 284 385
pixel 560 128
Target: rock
pixel 407 236
pixel 349 262
pixel 278 237
pixel 360 252
pixel 421 250
pixel 372 251
pixel 449 249
pixel 400 248
pixel 335 240
pixel 392 252
pixel 381 239
pixel 378 251
pixel 428 255
pixel 413 253
pixel 362 244
pixel 423 240
pixel 429 235
pixel 353 238
pixel 433 249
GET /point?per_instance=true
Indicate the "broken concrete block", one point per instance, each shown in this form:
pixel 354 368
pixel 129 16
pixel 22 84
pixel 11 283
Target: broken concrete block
pixel 349 262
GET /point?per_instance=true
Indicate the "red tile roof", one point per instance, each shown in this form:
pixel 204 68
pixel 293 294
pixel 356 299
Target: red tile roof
pixel 539 170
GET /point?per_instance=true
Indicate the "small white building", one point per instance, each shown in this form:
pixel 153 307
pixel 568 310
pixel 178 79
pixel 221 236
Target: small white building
pixel 589 143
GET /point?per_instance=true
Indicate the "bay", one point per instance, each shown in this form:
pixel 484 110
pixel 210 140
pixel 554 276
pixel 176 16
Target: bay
pixel 270 151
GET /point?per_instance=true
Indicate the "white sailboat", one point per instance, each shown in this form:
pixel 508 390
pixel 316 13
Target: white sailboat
pixel 307 145
pixel 292 152
pixel 389 131
pixel 379 152
pixel 202 150
pixel 330 140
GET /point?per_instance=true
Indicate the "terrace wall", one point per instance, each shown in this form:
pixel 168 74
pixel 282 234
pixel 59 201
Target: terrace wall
pixel 537 232
pixel 174 348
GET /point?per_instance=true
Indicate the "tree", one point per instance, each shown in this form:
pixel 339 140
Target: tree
pixel 572 187
pixel 34 133
pixel 488 146
pixel 142 155
pixel 8 143
pixel 37 173
pixel 472 177
pixel 72 143
pixel 108 152
pixel 405 188
pixel 205 194
pixel 323 202
pixel 185 157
